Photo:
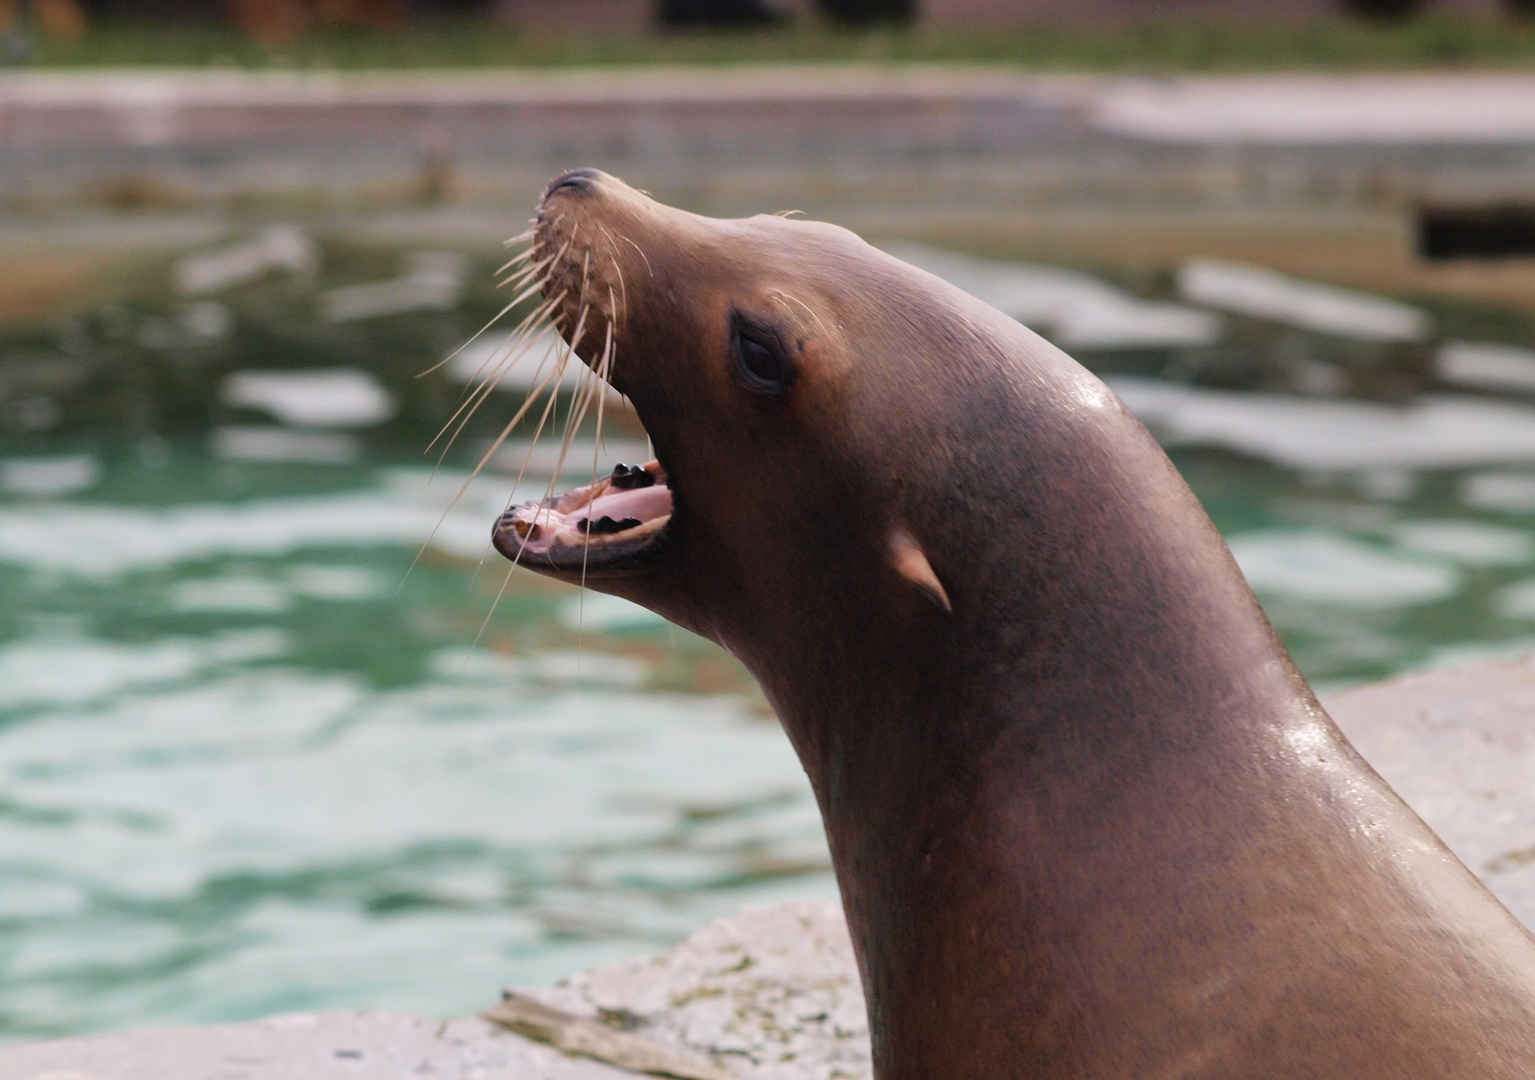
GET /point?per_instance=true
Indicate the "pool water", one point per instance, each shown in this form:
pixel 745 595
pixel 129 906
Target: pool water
pixel 277 733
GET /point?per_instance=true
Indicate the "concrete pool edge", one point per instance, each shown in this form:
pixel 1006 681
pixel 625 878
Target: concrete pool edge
pixel 1315 174
pixel 773 992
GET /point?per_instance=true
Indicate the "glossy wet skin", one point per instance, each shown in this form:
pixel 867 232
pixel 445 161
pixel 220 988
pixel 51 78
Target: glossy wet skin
pixel 1089 823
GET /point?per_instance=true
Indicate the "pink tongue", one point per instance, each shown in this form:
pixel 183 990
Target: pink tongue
pixel 642 503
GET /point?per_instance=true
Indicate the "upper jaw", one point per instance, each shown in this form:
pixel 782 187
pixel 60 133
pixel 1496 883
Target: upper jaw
pixel 613 526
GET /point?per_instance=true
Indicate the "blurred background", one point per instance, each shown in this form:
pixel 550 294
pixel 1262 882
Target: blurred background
pixel 275 732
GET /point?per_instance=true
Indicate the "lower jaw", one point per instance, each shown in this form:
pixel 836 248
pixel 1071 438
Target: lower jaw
pixel 587 531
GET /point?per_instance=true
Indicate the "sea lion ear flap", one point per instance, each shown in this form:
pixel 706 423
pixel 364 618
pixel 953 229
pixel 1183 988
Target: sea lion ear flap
pixel 908 560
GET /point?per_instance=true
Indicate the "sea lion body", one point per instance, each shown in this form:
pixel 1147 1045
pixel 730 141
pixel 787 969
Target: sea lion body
pixel 1089 821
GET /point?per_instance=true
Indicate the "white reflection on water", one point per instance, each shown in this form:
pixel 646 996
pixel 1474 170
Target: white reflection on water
pixel 323 397
pixel 599 612
pixel 1326 568
pixel 428 281
pixel 227 821
pixel 1470 543
pixel 279 247
pixel 1076 309
pixel 1486 365
pixel 1306 433
pixel 408 507
pixel 247 443
pixel 47 477
pixel 46 671
pixel 1327 309
pixel 1508 491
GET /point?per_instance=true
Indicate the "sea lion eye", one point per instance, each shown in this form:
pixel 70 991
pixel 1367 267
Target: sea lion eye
pixel 761 365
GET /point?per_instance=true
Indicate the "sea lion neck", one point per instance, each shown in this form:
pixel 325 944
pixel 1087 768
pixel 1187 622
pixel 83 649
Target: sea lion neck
pixel 1074 820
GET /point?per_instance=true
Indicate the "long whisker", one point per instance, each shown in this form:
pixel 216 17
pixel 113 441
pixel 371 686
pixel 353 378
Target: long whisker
pixel 809 310
pixel 623 291
pixel 529 291
pixel 573 419
pixel 505 581
pixel 603 372
pixel 519 278
pixel 542 264
pixel 522 256
pixel 501 362
pixel 576 336
pixel 636 247
pixel 532 398
pixel 529 274
pixel 552 379
pixel 477 396
pixel 613 258
pixel 542 420
pixel 530 324
pixel 582 394
pixel 482 394
pixel 604 367
pixel 497 317
pixel 533 269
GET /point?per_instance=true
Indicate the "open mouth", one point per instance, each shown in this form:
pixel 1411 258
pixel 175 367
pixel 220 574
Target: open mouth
pixel 602 528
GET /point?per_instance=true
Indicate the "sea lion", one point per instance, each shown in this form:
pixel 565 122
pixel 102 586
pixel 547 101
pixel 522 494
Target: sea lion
pixel 1087 817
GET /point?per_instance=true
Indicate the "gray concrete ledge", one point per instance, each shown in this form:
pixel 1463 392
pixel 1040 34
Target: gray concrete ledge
pixel 772 993
pixel 179 138
pixel 1458 108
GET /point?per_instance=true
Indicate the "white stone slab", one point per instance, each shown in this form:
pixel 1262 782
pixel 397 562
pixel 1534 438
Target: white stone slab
pixel 305 1046
pixel 771 994
pixel 1459 746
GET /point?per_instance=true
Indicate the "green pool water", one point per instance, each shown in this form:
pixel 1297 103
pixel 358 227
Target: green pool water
pixel 277 734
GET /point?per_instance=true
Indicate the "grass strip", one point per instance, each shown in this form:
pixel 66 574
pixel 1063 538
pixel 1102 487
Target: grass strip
pixel 1424 43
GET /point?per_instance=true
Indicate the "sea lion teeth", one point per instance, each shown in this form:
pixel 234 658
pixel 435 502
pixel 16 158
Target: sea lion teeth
pixel 606 526
pixel 627 478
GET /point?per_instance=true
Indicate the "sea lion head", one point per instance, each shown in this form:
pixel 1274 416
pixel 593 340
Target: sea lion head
pixel 838 435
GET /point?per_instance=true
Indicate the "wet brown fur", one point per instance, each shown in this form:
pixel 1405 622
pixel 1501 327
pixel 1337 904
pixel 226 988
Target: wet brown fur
pixel 1092 823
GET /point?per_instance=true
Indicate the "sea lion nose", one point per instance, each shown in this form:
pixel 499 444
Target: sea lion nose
pixel 578 180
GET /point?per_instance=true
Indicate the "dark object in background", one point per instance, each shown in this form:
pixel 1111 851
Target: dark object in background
pixel 1476 232
pixel 870 11
pixel 1383 9
pixel 757 12
pixel 717 13
pixel 276 22
pixel 56 20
